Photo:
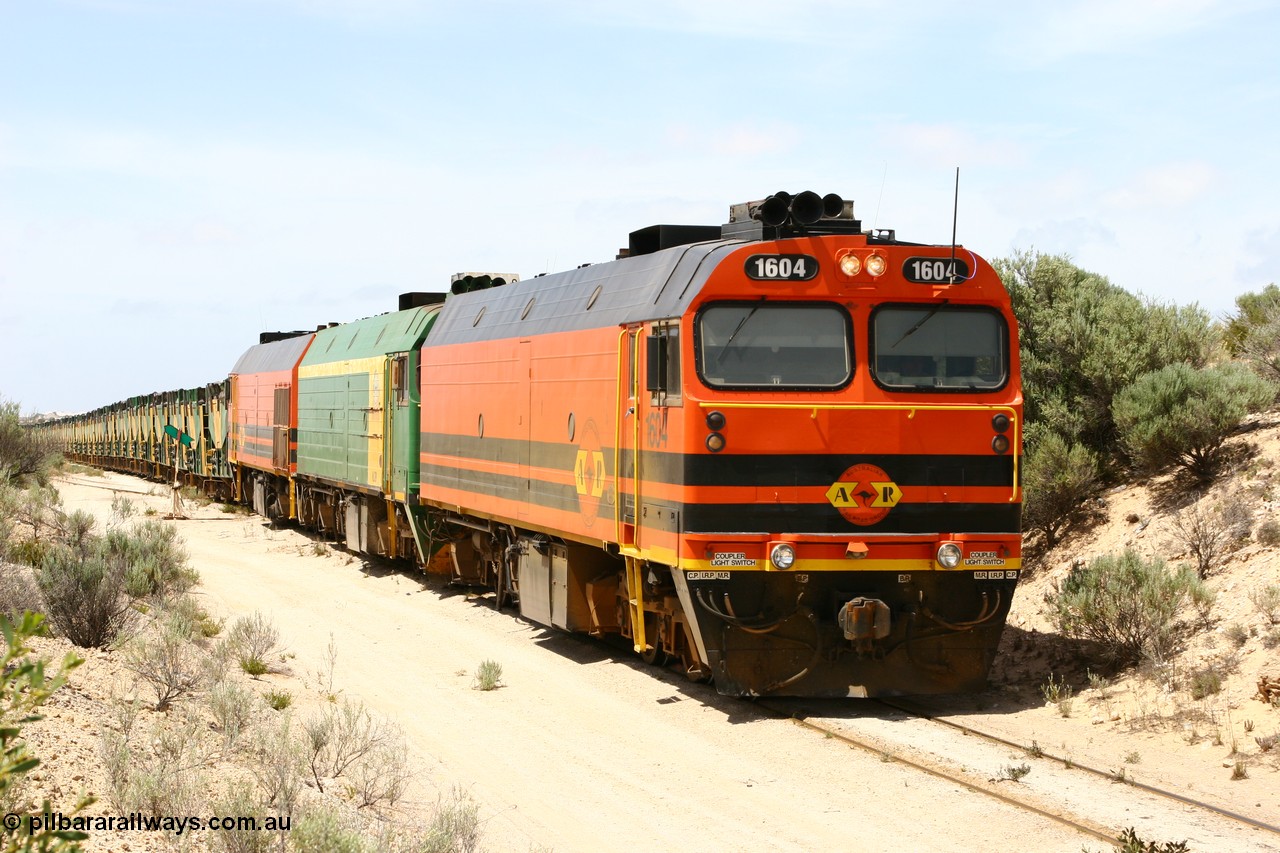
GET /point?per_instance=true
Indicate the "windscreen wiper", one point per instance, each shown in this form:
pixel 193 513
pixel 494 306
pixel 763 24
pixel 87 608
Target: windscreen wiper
pixel 738 328
pixel 926 318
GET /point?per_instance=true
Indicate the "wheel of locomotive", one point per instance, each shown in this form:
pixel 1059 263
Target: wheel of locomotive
pixel 655 654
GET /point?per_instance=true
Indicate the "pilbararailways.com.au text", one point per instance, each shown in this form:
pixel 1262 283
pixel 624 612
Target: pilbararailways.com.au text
pixel 138 822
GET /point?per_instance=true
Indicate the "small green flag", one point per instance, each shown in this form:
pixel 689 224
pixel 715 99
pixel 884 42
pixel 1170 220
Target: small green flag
pixel 173 432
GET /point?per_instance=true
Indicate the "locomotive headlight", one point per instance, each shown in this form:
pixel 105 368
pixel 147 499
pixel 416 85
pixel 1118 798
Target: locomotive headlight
pixel 876 265
pixel 782 555
pixel 851 265
pixel 949 555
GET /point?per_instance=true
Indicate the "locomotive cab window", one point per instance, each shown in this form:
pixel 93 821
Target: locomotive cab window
pixel 775 345
pixel 939 347
pixel 662 364
pixel 400 379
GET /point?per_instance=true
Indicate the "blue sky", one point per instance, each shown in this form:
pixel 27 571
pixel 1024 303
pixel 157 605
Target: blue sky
pixel 177 176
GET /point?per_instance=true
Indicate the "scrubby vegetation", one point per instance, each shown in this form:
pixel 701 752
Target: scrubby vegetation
pixel 1182 414
pixel 23 454
pixel 1126 606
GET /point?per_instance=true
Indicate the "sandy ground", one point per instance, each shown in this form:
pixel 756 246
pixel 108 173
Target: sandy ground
pixel 585 749
pixel 580 750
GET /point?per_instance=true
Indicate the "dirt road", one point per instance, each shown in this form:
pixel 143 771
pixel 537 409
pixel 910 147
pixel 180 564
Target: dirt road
pixel 582 749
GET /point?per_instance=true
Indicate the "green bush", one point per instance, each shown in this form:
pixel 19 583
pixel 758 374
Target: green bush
pixel 1205 682
pixel 24 687
pixel 156 560
pixel 323 829
pixel 1181 414
pixel 252 640
pixel 1056 479
pixel 22 451
pixel 1083 339
pixel 85 593
pixel 1253 332
pixel 1125 605
pixel 488 675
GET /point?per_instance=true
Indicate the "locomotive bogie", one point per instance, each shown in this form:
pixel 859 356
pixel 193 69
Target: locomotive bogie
pixel 866 633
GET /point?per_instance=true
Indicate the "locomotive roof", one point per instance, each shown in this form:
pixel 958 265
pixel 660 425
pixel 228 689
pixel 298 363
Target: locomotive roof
pixel 631 290
pixel 397 331
pixel 276 355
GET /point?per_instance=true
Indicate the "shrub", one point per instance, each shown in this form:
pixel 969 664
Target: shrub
pixel 455 825
pixel 1084 338
pixel 278 700
pixel 85 593
pixel 341 735
pixel 1237 634
pixel 488 675
pixel 1211 533
pixel 23 452
pixel 1267 601
pixel 1269 532
pixel 253 639
pixel 1125 605
pixel 232 707
pixel 320 828
pixel 239 801
pixel 1253 333
pixel 1183 414
pixel 1131 842
pixel 166 660
pixel 382 775
pixel 1058 693
pixel 165 778
pixel 280 764
pixel 156 560
pixel 1205 682
pixel 18 592
pixel 1057 477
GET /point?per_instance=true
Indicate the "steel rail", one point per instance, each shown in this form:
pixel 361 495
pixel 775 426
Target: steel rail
pixel 906 708
pixel 1095 830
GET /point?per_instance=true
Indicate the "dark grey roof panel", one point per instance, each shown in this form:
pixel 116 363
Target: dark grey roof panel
pixel 277 355
pixel 632 290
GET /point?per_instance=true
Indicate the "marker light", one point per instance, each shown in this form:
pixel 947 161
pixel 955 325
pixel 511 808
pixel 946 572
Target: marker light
pixel 876 265
pixel 949 555
pixel 715 421
pixel 715 442
pixel 1000 444
pixel 783 556
pixel 851 265
pixel 1000 422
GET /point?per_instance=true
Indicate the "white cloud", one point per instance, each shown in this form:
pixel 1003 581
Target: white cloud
pixel 1048 33
pixel 1168 185
pixel 941 145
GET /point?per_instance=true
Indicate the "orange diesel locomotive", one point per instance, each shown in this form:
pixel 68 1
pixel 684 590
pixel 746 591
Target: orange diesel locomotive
pixel 782 453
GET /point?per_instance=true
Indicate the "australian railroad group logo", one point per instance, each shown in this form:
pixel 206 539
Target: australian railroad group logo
pixel 864 494
pixel 589 479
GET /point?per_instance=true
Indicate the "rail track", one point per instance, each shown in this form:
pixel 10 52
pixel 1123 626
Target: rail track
pixel 997 789
pixel 907 708
pixel 989 788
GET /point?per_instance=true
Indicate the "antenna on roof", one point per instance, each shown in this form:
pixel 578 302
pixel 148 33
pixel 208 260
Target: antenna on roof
pixel 955 210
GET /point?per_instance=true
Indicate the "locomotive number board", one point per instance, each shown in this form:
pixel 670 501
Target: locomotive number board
pixel 781 267
pixel 934 270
